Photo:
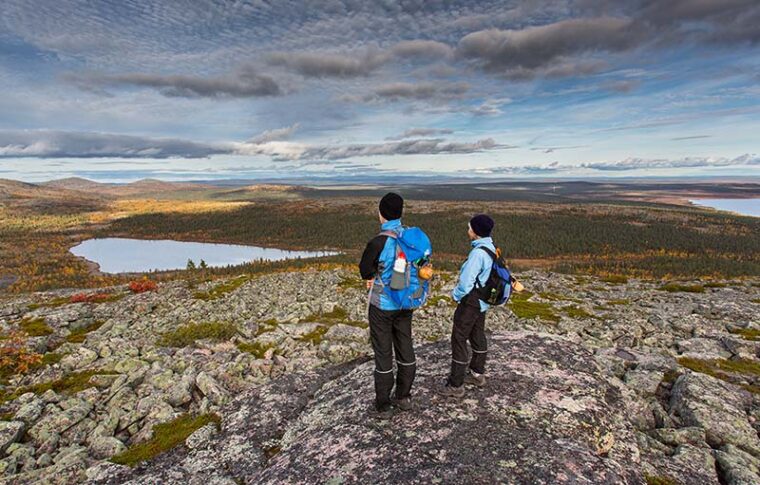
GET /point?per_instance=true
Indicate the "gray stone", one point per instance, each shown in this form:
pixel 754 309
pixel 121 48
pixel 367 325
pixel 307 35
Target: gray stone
pixel 718 407
pixel 211 389
pixel 102 447
pixel 10 432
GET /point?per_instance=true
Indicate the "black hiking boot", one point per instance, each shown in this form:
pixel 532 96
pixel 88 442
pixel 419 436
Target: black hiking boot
pixel 404 404
pixel 383 415
pixel 451 391
pixel 475 379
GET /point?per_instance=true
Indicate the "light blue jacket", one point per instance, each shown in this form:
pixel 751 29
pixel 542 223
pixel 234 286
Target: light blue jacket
pixel 378 297
pixel 477 267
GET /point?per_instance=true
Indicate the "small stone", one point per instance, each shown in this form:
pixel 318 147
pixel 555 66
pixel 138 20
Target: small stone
pixel 10 432
pixel 211 389
pixel 103 447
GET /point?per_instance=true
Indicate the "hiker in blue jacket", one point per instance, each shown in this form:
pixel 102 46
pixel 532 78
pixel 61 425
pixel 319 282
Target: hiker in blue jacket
pixel 470 314
pixel 390 327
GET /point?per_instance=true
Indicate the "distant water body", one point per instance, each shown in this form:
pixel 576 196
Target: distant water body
pixel 747 207
pixel 122 255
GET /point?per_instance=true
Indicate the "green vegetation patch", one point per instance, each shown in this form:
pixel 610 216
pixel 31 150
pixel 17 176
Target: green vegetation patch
pixel 573 311
pixel 351 282
pixel 523 308
pixel 79 335
pixel 222 289
pixel 435 300
pixel 621 301
pixel 723 368
pixel 256 348
pixel 52 303
pixel 548 295
pixel 675 287
pixel 68 384
pixel 315 336
pixel 165 437
pixel 715 284
pixel 188 334
pixel 659 480
pixel 756 300
pixel 747 333
pixel 337 315
pixel 35 327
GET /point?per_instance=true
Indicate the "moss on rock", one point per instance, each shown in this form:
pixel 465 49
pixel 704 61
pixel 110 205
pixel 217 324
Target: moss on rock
pixel 165 437
pixel 188 334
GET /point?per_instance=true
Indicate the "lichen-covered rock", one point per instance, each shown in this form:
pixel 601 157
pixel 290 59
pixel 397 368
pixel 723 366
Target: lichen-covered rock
pixel 211 388
pixel 10 432
pixel 547 416
pixel 717 407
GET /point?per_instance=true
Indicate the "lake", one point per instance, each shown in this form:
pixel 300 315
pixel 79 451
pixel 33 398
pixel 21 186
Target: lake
pixel 747 207
pixel 123 255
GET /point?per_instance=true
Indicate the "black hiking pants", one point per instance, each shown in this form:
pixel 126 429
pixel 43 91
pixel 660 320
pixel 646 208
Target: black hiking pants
pixel 391 333
pixel 469 324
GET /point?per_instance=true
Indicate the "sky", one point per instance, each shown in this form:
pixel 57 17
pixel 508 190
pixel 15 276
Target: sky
pixel 118 90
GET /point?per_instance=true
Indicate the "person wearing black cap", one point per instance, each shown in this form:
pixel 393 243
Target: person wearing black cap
pixel 390 327
pixel 470 314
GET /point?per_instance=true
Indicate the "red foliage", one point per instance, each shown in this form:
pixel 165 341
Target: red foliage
pixel 142 286
pixel 89 298
pixel 15 356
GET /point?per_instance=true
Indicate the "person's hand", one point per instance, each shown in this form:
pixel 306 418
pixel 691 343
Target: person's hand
pixel 369 283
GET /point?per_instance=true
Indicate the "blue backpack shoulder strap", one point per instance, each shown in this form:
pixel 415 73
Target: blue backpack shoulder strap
pixel 489 252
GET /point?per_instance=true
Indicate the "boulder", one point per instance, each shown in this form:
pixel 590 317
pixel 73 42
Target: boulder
pixel 211 389
pixel 547 416
pixel 716 406
pixel 10 432
pixel 102 447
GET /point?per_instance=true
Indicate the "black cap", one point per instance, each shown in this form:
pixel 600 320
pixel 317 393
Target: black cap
pixel 482 225
pixel 391 206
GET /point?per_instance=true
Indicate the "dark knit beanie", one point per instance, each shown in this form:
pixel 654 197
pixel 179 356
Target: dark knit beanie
pixel 482 225
pixel 391 206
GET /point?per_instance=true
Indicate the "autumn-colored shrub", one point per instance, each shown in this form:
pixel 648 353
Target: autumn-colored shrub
pixel 90 297
pixel 141 286
pixel 15 356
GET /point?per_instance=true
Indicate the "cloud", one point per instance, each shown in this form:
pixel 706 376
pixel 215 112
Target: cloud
pixel 420 91
pixel 275 135
pixel 688 162
pixel 62 144
pixel 621 166
pixel 326 64
pixel 490 107
pixel 245 82
pixel 557 148
pixel 292 151
pixel 423 49
pixel 693 137
pixel 624 86
pixel 419 132
pixel 534 47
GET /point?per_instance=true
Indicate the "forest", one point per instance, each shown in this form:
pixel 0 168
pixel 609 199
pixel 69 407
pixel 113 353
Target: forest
pixel 623 238
pixel 642 242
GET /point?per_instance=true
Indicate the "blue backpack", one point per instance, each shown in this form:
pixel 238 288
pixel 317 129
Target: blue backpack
pixel 498 288
pixel 415 246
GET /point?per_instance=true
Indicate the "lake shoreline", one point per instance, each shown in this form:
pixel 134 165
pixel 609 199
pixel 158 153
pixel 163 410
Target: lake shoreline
pixel 735 206
pixel 128 256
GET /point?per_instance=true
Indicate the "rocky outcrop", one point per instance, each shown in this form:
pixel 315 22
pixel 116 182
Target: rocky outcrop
pixel 548 415
pixel 685 364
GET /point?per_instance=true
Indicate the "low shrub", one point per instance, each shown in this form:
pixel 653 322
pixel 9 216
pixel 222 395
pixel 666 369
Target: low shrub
pixel 675 287
pixel 143 285
pixel 35 327
pixel 15 356
pixel 92 297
